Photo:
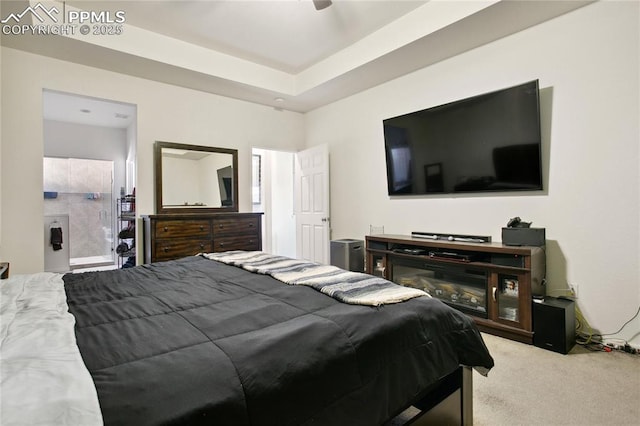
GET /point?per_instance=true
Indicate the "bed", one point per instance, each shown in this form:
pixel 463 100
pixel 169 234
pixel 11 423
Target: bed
pixel 200 341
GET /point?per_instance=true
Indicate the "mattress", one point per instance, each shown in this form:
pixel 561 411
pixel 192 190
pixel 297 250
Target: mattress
pixel 43 380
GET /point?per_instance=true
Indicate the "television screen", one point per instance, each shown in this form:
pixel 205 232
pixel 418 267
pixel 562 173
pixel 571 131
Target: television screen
pixel 489 142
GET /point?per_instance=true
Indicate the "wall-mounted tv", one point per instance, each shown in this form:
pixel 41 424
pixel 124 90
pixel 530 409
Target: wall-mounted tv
pixel 486 143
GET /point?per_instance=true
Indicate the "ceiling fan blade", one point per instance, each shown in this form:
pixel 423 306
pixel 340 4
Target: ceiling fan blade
pixel 321 4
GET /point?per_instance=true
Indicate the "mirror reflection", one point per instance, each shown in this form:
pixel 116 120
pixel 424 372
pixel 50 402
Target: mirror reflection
pixel 195 177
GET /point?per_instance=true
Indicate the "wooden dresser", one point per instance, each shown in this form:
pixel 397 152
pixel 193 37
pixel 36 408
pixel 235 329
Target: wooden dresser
pixel 171 236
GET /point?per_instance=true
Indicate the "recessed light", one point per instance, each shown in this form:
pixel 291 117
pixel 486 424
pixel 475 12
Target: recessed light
pixel 279 100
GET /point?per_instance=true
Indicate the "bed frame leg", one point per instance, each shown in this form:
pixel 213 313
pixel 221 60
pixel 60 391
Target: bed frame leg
pixel 449 403
pixel 4 270
pixel 466 397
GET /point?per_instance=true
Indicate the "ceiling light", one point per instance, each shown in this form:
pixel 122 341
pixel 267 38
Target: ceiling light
pixel 86 111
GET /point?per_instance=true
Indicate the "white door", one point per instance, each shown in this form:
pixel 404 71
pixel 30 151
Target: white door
pixel 311 187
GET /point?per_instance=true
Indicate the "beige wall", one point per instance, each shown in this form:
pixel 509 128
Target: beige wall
pixel 165 112
pixel 588 65
pixel 1 103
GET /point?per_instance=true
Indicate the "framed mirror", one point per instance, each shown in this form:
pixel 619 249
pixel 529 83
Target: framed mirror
pixel 195 179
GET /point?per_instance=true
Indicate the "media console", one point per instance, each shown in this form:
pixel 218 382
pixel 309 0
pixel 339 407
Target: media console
pixel 491 282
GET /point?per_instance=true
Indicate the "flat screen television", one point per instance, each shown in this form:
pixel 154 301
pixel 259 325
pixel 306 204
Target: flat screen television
pixel 486 143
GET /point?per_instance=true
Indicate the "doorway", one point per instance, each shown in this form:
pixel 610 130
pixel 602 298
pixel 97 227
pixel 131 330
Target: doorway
pixel 89 162
pixel 272 194
pixel 297 229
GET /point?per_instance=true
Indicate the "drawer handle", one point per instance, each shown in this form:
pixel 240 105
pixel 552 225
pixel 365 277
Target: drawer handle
pixel 165 249
pixel 166 229
pixel 251 225
pixel 221 244
pixel 201 245
pixel 221 226
pixel 202 227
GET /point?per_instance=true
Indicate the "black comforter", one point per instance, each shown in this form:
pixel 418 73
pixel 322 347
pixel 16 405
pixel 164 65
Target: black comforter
pixel 194 341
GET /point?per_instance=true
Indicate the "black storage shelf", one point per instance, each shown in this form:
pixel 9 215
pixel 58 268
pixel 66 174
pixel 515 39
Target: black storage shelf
pixel 126 249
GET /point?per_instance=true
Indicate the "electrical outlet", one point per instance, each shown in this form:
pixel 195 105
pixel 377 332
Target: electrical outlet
pixel 573 288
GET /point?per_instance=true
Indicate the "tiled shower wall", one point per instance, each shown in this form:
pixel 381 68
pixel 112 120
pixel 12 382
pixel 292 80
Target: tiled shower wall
pixel 82 189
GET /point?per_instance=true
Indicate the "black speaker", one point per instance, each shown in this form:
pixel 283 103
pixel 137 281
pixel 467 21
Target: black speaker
pixel 554 324
pixel 524 236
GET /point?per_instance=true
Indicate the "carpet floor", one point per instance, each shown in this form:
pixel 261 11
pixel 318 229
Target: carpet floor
pixel 530 386
pixel 534 386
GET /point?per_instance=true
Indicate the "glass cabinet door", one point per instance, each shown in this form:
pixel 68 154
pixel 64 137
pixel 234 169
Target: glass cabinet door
pixel 506 295
pixel 379 265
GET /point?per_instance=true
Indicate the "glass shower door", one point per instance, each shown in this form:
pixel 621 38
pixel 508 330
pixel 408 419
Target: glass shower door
pixel 106 214
pixel 83 189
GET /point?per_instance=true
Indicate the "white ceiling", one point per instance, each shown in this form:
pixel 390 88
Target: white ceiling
pixel 287 35
pixel 69 108
pixel 285 53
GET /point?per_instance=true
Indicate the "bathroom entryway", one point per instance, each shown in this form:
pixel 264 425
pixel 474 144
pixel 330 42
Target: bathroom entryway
pixel 89 162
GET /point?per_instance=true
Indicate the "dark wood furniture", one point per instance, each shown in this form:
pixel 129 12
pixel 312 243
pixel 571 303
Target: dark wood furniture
pixel 491 282
pixel 173 236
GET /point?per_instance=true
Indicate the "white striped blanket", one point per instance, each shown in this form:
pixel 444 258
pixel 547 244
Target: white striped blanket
pixel 349 287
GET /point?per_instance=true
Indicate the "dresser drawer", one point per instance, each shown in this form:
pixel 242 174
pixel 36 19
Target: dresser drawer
pixel 238 242
pixel 174 249
pixel 182 228
pixel 243 225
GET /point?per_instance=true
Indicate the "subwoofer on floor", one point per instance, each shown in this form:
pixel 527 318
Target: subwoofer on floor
pixel 348 254
pixel 554 324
